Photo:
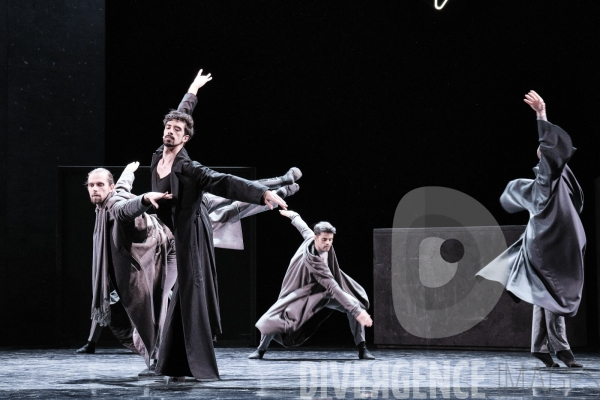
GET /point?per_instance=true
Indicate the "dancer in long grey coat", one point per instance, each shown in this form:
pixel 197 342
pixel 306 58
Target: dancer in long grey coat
pixel 133 261
pixel 545 266
pixel 313 286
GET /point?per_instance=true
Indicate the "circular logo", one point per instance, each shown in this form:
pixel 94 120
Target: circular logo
pixel 441 239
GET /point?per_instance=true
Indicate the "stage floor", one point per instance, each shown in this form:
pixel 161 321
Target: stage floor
pixel 300 373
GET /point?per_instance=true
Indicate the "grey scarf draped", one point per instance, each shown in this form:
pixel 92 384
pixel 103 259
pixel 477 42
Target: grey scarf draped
pixel 100 276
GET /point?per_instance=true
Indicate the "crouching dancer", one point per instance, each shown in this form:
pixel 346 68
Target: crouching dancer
pixel 313 286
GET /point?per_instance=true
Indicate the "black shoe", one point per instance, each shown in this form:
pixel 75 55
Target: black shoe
pixel 88 348
pixel 257 355
pixel 546 358
pixel 363 353
pixel 566 356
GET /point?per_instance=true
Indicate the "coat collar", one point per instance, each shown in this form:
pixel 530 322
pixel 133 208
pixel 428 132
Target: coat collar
pixel 177 163
pixel 105 202
pixel 177 167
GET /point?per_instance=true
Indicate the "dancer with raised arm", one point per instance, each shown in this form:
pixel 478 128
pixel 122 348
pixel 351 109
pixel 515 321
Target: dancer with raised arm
pixel 545 266
pixel 193 317
pixel 133 260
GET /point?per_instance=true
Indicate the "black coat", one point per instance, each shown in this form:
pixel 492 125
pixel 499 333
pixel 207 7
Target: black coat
pixel 193 316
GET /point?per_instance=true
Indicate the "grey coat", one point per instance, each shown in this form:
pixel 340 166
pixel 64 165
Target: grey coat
pixel 309 284
pixel 143 268
pixel 545 266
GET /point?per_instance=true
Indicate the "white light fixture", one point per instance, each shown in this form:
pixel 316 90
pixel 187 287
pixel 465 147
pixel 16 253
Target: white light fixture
pixel 438 6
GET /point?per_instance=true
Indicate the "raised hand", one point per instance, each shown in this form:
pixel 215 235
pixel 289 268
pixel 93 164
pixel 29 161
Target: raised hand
pixel 132 167
pixel 272 197
pixel 200 81
pixel 364 319
pixel 153 197
pixel 536 102
pixel 290 214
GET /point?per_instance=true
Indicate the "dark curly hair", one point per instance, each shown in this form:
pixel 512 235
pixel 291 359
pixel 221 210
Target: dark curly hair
pixel 183 117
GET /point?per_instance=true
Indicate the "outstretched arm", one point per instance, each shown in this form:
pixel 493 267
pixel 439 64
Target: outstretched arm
pixel 323 275
pixel 126 208
pixel 298 222
pixel 230 186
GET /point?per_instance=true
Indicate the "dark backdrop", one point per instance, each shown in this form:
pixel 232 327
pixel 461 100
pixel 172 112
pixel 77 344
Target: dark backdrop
pixel 51 113
pixel 369 99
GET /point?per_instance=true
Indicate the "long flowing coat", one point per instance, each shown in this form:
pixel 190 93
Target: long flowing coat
pixel 142 253
pixel 545 266
pixel 193 317
pixel 308 286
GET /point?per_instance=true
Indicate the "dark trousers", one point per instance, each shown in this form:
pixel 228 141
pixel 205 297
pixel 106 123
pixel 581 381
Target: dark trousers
pixel 120 325
pixel 548 332
pixel 358 331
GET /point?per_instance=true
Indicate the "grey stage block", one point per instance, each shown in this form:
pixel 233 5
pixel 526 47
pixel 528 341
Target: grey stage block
pixel 432 273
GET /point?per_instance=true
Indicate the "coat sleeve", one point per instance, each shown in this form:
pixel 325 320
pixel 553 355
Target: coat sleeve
pixel 171 252
pixel 126 209
pixel 518 196
pixel 125 182
pixel 323 275
pixel 224 185
pixel 188 103
pixel 556 148
pixel 304 230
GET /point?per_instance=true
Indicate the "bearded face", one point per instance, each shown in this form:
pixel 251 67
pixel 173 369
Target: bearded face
pixel 174 133
pixel 99 187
